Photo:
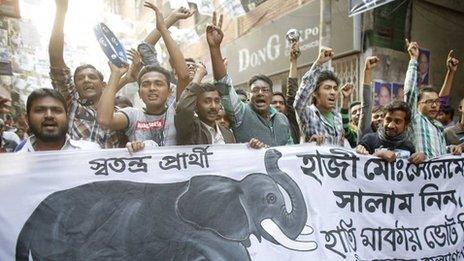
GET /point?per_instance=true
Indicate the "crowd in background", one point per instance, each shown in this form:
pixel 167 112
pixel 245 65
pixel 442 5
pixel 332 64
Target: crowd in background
pixel 83 109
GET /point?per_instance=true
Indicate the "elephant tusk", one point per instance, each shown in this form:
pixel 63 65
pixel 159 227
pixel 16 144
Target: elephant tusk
pixel 307 230
pixel 274 230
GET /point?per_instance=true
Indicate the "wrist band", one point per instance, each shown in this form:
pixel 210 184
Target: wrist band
pixel 110 45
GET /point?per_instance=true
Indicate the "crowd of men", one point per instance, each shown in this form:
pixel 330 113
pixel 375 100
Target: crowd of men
pixel 83 111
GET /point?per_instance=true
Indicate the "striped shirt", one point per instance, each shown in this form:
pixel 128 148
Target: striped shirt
pixel 428 133
pixel 311 120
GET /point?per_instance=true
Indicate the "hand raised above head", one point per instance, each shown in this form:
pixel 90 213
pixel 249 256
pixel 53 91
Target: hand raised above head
pixel 295 51
pixel 371 62
pixel 182 13
pixel 347 89
pixel 452 62
pixel 413 49
pixel 136 65
pixel 117 71
pixel 214 34
pixel 160 24
pixel 325 54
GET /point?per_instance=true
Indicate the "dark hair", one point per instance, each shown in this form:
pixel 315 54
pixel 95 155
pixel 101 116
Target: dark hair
pixel 281 95
pixel 154 68
pixel 87 66
pixel 424 90
pixel 379 108
pixel 241 92
pixel 324 76
pixel 208 87
pixel 399 106
pixel 261 77
pixel 448 110
pixel 122 99
pixel 42 93
pixel 355 103
pixel 190 60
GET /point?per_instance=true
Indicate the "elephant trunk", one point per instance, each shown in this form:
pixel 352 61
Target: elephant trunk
pixel 291 223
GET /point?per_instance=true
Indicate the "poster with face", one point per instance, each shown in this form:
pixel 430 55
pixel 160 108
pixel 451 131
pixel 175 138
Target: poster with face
pixel 383 93
pixel 423 68
pixel 398 91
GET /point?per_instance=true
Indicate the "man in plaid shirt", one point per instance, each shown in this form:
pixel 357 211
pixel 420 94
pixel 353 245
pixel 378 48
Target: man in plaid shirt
pixel 81 93
pixel 320 121
pixel 425 104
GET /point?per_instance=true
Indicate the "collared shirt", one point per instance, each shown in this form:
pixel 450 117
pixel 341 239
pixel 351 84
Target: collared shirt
pixel 216 135
pixel 311 120
pixel 274 130
pixel 82 114
pixel 28 144
pixel 428 133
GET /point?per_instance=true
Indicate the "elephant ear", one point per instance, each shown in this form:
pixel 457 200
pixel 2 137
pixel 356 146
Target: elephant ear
pixel 213 202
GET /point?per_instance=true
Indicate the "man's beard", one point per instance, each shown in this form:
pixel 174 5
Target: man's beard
pixel 50 137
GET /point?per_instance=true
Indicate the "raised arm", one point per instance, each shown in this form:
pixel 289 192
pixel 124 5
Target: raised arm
pixel 56 44
pixel 365 119
pixel 308 84
pixel 178 14
pixel 292 87
pixel 292 82
pixel 232 104
pixel 410 82
pixel 175 54
pixel 214 36
pixel 107 118
pixel 186 104
pixel 350 134
pixel 452 65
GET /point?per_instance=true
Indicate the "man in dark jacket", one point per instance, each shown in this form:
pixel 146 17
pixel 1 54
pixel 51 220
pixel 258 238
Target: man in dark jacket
pixel 204 99
pixel 391 140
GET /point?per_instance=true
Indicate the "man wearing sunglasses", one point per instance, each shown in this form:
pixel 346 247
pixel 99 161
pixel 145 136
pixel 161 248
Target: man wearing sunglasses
pixel 425 105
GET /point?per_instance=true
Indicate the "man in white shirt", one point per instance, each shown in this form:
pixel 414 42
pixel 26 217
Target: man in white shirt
pixel 48 121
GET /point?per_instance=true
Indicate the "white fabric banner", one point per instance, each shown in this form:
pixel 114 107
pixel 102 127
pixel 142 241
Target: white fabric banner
pixel 229 202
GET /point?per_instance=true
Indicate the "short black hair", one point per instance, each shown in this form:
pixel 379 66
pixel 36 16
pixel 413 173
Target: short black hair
pixel 355 103
pixel 241 92
pixel 87 66
pixel 448 110
pixel 154 68
pixel 281 95
pixel 42 93
pixel 399 106
pixel 326 75
pixel 379 108
pixel 208 87
pixel 425 90
pixel 261 77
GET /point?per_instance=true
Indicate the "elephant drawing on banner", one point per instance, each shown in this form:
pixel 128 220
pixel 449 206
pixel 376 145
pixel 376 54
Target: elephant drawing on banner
pixel 206 218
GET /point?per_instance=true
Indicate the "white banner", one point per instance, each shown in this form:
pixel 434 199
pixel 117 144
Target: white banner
pixel 229 203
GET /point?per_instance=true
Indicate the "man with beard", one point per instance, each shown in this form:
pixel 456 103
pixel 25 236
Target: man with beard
pixel 391 142
pixel 204 99
pixel 425 104
pixel 47 119
pixel 320 122
pixel 257 119
pixel 156 121
pixel 81 92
